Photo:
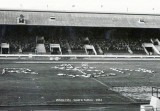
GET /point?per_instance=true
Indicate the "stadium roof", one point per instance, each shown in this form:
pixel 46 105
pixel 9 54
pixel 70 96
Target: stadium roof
pixel 80 19
pixel 88 13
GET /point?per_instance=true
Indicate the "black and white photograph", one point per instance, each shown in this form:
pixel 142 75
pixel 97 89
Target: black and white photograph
pixel 79 55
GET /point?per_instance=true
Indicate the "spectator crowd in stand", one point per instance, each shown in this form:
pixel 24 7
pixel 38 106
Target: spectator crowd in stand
pixel 28 45
pixel 25 41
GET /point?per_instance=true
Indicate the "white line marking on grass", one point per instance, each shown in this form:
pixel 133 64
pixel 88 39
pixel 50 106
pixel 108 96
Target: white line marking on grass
pixel 102 83
pixel 125 96
pixel 110 88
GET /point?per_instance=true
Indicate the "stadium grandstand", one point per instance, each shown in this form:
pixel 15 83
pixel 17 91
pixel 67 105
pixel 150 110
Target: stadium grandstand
pixel 23 39
pixel 70 29
pixel 87 54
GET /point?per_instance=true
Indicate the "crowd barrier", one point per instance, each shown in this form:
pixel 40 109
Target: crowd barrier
pixel 83 56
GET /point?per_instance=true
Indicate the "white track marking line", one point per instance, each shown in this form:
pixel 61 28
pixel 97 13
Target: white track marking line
pixel 35 62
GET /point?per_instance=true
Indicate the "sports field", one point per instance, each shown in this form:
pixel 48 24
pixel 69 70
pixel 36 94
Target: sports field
pixel 77 82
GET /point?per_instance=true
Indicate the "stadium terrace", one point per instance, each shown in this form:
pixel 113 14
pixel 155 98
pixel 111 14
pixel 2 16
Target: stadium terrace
pixel 54 28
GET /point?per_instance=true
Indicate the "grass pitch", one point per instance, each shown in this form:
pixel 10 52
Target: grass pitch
pixel 48 88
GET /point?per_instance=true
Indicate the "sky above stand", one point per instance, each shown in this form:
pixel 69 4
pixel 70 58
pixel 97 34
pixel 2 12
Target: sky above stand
pixel 109 6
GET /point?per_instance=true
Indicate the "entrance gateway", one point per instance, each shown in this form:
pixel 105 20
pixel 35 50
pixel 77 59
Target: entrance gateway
pixel 5 48
pixel 55 49
pixel 150 49
pixel 90 50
